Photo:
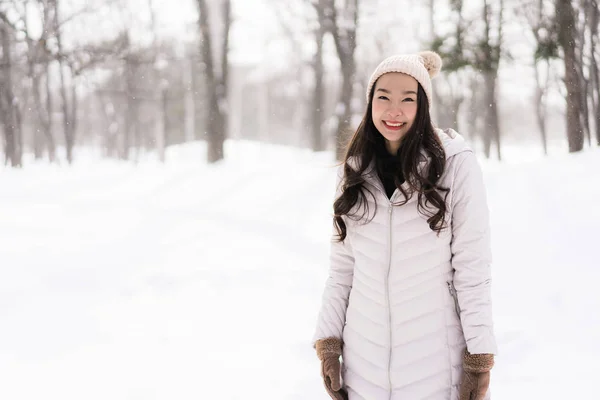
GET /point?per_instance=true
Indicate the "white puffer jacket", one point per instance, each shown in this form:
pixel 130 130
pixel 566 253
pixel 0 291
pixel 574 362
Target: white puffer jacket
pixel 396 289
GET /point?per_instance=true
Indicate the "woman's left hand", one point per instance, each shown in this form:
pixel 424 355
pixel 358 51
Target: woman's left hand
pixel 476 378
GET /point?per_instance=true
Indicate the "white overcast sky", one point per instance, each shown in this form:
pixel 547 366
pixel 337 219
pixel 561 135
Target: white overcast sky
pixel 254 25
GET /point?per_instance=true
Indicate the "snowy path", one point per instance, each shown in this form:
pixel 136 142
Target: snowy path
pixel 189 282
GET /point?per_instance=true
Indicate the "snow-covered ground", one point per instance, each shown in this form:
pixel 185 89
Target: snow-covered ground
pixel 188 281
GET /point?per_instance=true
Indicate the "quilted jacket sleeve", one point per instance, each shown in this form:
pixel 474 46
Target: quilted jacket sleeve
pixel 332 315
pixel 471 255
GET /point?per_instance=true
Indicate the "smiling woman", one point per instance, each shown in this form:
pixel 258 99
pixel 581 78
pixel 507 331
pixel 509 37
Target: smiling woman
pixel 407 304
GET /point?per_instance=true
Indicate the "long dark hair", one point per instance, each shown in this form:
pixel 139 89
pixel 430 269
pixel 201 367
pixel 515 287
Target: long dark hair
pixel 362 150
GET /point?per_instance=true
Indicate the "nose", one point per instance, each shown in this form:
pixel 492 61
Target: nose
pixel 395 110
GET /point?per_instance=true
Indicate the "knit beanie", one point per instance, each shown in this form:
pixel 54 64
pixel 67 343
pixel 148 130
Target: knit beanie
pixel 423 66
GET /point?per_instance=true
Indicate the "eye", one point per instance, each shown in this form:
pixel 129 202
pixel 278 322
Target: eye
pixel 408 99
pixel 382 98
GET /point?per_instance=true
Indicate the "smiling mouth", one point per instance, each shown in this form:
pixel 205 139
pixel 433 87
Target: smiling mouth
pixel 394 125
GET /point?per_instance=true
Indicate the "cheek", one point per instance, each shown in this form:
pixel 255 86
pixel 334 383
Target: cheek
pixel 411 113
pixel 376 111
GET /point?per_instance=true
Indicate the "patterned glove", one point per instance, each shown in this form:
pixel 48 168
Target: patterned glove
pixel 329 351
pixel 476 378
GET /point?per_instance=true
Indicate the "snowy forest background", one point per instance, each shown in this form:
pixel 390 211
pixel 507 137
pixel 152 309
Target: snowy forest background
pixel 132 77
pixel 168 171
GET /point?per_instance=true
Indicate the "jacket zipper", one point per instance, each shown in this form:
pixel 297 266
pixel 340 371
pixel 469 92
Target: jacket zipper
pixel 387 285
pixel 388 298
pixel 452 291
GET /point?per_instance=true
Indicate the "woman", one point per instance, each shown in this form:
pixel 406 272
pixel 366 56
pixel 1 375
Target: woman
pixel 407 303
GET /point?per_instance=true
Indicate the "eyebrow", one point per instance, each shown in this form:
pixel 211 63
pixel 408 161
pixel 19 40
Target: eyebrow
pixel 405 91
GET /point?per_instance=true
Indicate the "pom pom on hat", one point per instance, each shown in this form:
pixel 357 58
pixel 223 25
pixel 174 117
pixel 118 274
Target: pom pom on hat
pixel 432 62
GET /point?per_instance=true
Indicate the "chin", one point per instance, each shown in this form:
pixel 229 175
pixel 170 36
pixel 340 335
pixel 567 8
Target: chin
pixel 393 138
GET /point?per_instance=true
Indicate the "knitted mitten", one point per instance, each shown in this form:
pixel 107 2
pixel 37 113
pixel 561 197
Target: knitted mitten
pixel 329 351
pixel 476 377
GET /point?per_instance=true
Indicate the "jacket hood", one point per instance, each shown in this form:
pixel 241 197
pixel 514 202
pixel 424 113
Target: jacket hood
pixel 452 141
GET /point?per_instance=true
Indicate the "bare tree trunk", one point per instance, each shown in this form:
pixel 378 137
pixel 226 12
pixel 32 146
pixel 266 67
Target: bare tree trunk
pixel 190 102
pixel 595 77
pixel 161 125
pixel 48 128
pixel 223 86
pixel 540 107
pixel 131 138
pixel 69 133
pixel 318 144
pixel 38 149
pixel 492 123
pixel 160 118
pixel 344 36
pixel 585 118
pixel 37 135
pixel 135 126
pixel 7 101
pixel 435 113
pixel 541 89
pixel 46 117
pixel 566 37
pixel 73 120
pixel 487 133
pixel 318 101
pixel 345 110
pixel 486 73
pixel 217 88
pixel 491 62
pixel 34 79
pixel 19 131
pixel 67 118
pixel 129 113
pixel 263 105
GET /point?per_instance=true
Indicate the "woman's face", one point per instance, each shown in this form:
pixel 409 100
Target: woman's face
pixel 394 107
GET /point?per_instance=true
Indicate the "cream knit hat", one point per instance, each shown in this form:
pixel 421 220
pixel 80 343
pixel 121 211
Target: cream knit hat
pixel 423 66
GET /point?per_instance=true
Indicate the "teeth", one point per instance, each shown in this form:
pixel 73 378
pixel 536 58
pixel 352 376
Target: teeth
pixel 398 124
